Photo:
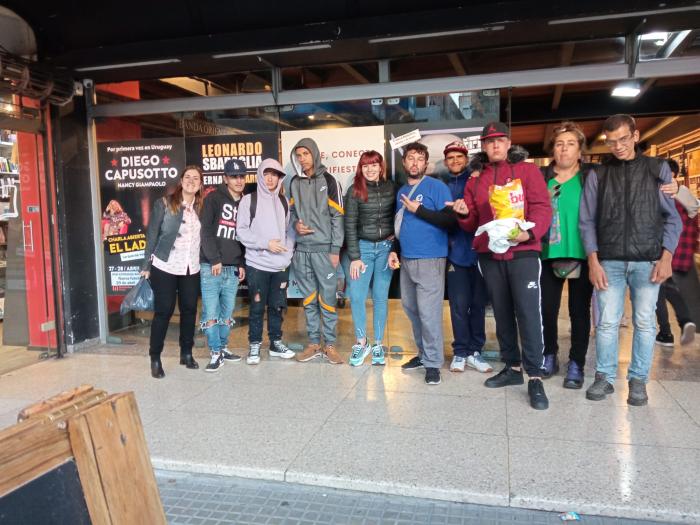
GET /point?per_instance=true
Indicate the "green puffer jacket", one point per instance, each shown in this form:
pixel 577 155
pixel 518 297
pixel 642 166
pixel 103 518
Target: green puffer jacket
pixel 372 220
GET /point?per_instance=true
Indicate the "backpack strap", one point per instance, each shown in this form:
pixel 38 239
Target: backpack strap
pixel 254 205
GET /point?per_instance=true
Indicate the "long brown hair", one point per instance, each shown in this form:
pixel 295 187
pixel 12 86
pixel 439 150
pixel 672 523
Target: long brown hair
pixel 175 198
pixel 359 183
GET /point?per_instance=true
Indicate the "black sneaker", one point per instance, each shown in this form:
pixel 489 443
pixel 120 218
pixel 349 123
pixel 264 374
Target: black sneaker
pixel 664 339
pixel 230 356
pixel 600 388
pixel 216 362
pixel 538 399
pixel 505 377
pixel 432 376
pixel 413 364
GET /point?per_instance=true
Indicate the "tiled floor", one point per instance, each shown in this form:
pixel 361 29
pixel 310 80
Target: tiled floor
pixel 381 430
pixel 217 500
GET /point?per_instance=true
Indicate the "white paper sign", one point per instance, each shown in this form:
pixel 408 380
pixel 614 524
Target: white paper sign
pixel 411 136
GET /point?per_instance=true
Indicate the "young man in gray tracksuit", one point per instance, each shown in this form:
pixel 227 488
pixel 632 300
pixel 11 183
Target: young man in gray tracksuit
pixel 316 206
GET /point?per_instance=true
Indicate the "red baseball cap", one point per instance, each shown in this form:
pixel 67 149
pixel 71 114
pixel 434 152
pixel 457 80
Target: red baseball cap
pixel 456 145
pixel 494 129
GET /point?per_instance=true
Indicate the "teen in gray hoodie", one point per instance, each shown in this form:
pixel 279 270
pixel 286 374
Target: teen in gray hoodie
pixel 264 228
pixel 316 200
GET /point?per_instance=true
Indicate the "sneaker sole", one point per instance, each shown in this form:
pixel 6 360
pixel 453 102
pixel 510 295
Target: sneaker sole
pixel 637 403
pixel 688 335
pixel 212 370
pixel 572 386
pixel 252 361
pixel 456 369
pixel 434 382
pixel 282 355
pixel 304 360
pixel 233 359
pixel 409 369
pixel 485 371
pixel 378 363
pixel 360 360
pixel 597 397
pixel 668 345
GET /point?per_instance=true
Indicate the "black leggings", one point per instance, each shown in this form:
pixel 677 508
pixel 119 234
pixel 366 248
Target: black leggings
pixel 580 293
pixel 166 287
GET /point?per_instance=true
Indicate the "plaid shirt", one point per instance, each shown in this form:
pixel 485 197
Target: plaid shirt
pixel 688 242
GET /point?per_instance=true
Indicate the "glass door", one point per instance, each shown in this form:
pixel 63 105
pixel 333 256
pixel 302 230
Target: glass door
pixel 27 306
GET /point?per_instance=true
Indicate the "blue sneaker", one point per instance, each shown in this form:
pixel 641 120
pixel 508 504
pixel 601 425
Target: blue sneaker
pixel 574 376
pixel 378 355
pixel 551 365
pixel 359 353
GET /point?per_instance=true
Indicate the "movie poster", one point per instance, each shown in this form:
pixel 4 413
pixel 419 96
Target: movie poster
pixel 133 174
pixel 434 138
pixel 211 154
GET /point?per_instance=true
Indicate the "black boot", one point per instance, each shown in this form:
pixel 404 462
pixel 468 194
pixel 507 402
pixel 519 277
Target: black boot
pixel 188 361
pixel 157 368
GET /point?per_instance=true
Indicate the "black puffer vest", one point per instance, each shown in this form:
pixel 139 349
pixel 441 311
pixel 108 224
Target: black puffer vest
pixel 372 220
pixel 629 222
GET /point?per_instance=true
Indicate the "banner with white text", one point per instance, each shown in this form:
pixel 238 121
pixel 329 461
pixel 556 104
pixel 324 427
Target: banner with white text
pixel 133 174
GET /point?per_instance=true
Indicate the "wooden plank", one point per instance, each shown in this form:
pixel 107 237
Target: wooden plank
pixel 122 459
pixel 84 453
pixel 51 403
pixel 30 452
pixel 62 408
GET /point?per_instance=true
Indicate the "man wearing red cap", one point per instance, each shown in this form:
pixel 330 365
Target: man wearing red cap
pixel 466 290
pixel 509 189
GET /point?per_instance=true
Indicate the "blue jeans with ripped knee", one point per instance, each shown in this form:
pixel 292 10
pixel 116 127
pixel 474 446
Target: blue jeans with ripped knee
pixel 218 302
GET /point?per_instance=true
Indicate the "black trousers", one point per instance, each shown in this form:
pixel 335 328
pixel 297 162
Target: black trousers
pixel 514 289
pixel 580 293
pixel 669 291
pixel 266 289
pixel 166 288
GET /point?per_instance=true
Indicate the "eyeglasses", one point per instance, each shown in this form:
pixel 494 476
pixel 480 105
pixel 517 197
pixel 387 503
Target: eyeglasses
pixel 622 141
pixel 555 191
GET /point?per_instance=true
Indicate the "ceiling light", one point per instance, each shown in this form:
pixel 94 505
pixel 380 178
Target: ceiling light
pixel 436 35
pixel 626 90
pixel 270 51
pixel 312 117
pixel 634 14
pixel 659 37
pixel 130 64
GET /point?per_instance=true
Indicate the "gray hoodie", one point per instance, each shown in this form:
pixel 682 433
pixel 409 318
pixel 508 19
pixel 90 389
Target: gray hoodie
pixel 318 202
pixel 269 223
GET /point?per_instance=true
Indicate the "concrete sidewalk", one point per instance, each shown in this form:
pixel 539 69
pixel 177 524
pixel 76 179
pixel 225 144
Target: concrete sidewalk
pixel 383 430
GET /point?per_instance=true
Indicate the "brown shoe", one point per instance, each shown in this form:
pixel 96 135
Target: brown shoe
pixel 332 355
pixel 312 351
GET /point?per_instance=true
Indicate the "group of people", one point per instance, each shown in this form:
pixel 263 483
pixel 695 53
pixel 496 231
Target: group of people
pixel 497 230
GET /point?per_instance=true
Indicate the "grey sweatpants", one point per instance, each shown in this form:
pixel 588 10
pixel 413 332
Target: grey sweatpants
pixel 316 279
pixel 422 294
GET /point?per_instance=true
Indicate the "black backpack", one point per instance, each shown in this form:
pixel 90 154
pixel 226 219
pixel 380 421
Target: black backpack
pixel 254 205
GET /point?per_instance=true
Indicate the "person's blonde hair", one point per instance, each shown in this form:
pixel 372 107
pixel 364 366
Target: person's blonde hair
pixel 567 127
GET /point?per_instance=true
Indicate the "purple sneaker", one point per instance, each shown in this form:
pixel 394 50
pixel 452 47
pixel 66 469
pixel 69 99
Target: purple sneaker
pixel 574 376
pixel 551 365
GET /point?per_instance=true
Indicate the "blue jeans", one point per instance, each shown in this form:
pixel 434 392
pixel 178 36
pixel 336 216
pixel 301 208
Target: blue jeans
pixel 218 302
pixel 375 255
pixel 611 303
pixel 466 292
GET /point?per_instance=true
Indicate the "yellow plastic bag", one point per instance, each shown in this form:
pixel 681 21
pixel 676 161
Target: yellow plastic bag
pixel 508 201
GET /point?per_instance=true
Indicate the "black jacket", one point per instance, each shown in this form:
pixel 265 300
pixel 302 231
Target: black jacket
pixel 219 217
pixel 372 220
pixel 629 218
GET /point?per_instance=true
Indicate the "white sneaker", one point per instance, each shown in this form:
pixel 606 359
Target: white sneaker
pixel 688 334
pixel 279 349
pixel 253 354
pixel 477 362
pixel 457 364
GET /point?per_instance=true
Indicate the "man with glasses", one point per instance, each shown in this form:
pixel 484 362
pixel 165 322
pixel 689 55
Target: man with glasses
pixel 510 188
pixel 630 230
